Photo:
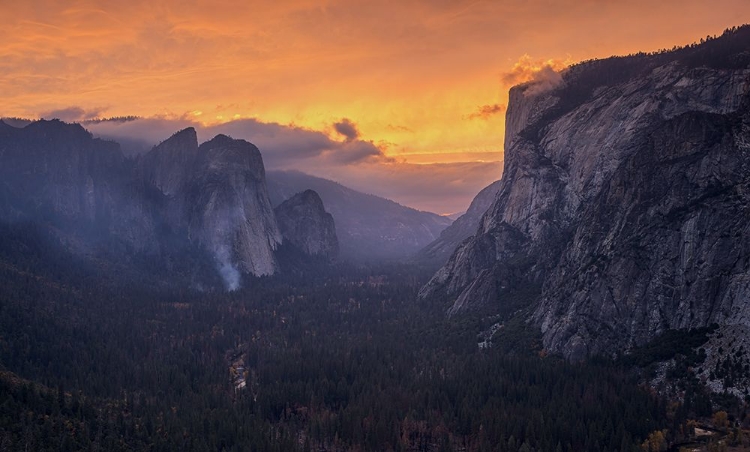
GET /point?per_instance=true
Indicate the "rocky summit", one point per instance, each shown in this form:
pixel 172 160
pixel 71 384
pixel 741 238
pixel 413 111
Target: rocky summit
pixel 624 203
pixel 305 224
pixel 218 192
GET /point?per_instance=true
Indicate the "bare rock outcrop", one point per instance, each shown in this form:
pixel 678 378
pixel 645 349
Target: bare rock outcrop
pixel 218 195
pixel 625 199
pixel 305 224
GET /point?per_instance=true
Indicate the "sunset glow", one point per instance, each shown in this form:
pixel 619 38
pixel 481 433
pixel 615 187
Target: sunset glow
pixel 423 82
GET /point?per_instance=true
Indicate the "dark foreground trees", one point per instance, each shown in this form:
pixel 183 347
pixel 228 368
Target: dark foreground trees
pixel 339 360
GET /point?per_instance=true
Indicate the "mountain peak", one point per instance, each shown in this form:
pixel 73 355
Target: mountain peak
pixel 310 197
pixel 169 165
pixel 222 140
pixel 185 140
pixel 231 154
pixel 6 129
pixel 58 128
pixel 304 223
pixel 462 228
pixel 186 135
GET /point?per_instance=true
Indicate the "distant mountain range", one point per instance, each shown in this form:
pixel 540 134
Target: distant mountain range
pixel 464 227
pixel 190 211
pixel 368 227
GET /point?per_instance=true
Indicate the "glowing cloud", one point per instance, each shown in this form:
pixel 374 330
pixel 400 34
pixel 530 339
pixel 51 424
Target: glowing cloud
pixel 72 114
pixel 540 75
pixel 528 69
pixel 487 111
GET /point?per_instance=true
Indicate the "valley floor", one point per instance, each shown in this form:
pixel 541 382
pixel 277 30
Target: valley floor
pixel 345 359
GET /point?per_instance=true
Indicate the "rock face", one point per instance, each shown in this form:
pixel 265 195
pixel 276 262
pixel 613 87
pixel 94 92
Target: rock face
pixel 57 174
pixel 218 194
pixel 464 227
pixel 305 224
pixel 171 164
pixel 368 227
pixel 171 205
pixel 625 200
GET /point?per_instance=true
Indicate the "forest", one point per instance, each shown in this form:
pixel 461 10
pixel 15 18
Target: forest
pixel 339 358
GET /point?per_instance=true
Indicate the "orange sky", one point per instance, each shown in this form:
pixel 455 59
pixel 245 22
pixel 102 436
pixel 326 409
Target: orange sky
pixel 424 81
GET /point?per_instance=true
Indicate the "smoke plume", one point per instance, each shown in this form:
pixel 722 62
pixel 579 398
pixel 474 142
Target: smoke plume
pixel 228 271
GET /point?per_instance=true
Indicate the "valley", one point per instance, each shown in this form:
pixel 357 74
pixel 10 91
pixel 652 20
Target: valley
pixel 351 363
pixel 594 298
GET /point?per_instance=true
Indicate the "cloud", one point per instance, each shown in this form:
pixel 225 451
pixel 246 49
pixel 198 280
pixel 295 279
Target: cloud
pixel 138 135
pixel 545 80
pixel 290 146
pixel 399 128
pixel 485 111
pixel 356 151
pixel 72 114
pixel 539 75
pixel 282 146
pixel 347 128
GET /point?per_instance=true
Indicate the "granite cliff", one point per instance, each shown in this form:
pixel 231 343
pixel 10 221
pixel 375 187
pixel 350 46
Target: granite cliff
pixel 305 224
pixel 623 204
pixel 217 194
pixel 180 208
pixel 58 175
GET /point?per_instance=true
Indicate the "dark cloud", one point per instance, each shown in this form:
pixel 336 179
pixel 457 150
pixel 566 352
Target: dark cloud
pixel 347 128
pixel 280 144
pixel 287 146
pixel 356 151
pixel 72 114
pixel 485 111
pixel 283 146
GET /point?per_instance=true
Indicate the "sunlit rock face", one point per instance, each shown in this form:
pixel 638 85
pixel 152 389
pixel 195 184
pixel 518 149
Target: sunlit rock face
pixel 624 199
pixel 305 224
pixel 218 195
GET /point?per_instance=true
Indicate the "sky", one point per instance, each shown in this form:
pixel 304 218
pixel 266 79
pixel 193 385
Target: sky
pixel 404 99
